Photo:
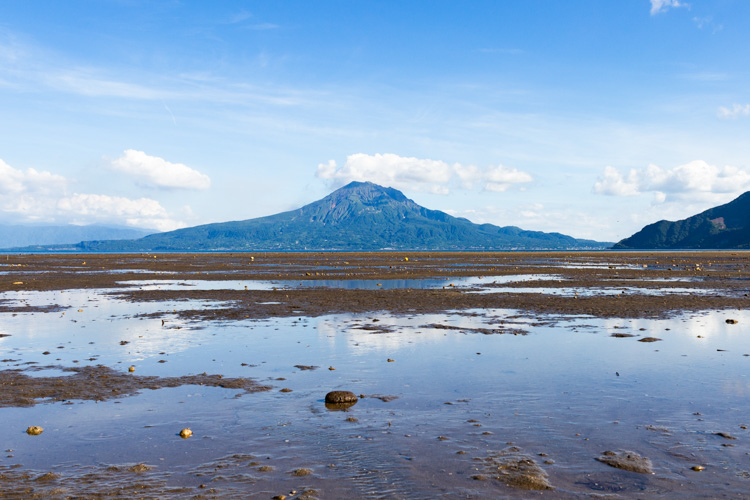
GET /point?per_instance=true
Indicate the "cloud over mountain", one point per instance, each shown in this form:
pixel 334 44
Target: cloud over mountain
pixel 418 174
pixel 689 179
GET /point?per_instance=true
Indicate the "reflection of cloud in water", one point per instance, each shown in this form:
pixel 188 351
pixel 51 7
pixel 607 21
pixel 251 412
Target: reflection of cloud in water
pixel 390 333
pixel 695 326
pixel 96 323
pixel 739 388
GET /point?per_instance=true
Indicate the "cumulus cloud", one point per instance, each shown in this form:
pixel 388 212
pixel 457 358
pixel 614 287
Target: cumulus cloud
pixel 142 212
pixel 736 111
pixel 681 182
pixel 418 174
pixel 658 6
pixel 34 196
pixel 14 181
pixel 155 171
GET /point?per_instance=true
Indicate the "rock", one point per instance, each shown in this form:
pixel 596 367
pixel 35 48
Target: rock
pixel 731 322
pixel 517 470
pixel 34 430
pixel 649 339
pixel 341 397
pixel 627 460
pixel 697 468
pixel 725 435
pixel 131 369
pixel 186 433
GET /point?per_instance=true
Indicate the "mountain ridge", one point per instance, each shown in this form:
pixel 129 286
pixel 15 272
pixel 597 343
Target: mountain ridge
pixel 722 227
pixel 359 216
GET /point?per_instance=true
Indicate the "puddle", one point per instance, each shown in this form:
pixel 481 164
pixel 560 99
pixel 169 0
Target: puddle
pixel 465 404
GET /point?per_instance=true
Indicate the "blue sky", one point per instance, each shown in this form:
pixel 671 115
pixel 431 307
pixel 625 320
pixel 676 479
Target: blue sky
pixel 590 118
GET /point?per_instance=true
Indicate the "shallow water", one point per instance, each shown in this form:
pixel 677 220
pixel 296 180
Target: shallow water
pixel 466 384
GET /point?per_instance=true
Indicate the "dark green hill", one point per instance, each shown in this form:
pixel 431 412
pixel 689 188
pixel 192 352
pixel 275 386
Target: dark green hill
pixel 359 216
pixel 726 226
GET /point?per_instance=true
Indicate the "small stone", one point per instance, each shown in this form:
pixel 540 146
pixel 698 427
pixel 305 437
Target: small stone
pixel 725 435
pixel 131 369
pixel 697 468
pixel 391 360
pixel 649 339
pixel 34 430
pixel 341 397
pixel 186 433
pixel 331 368
pixel 731 322
pixel 285 389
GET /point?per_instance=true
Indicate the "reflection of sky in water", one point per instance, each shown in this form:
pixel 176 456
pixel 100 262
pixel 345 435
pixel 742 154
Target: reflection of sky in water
pixel 352 284
pixel 539 390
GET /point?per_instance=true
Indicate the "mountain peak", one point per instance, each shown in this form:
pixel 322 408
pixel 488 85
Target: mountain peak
pixel 360 216
pixel 368 191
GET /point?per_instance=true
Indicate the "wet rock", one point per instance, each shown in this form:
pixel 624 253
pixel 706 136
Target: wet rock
pixel 265 468
pixel 285 389
pixel 306 367
pixel 697 468
pixel 517 470
pixel 131 369
pixel 341 397
pixel 186 433
pixel 627 460
pixel 725 435
pixel 649 339
pixel 731 321
pixel 50 476
pixel 301 472
pixel 622 335
pixel 34 430
pixel 139 468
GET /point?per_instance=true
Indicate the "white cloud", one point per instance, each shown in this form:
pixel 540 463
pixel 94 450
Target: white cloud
pixel 33 196
pixel 14 181
pixel 152 170
pixel 682 182
pixel 658 6
pixel 736 111
pixel 143 212
pixel 433 176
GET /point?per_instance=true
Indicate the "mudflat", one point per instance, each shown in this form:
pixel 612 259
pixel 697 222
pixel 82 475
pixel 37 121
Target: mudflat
pixel 470 374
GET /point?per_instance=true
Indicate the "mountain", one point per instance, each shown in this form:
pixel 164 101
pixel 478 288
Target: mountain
pixel 359 216
pixel 30 235
pixel 722 227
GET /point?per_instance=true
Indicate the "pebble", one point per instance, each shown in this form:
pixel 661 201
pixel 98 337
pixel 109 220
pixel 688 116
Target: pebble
pixel 731 322
pixel 341 397
pixel 186 433
pixel 697 468
pixel 34 430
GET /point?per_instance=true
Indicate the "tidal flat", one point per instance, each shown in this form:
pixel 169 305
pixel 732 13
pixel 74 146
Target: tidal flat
pixel 477 375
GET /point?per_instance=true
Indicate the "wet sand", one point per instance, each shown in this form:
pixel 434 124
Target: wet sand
pixel 503 375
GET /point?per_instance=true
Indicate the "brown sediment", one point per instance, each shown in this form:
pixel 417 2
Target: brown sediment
pixel 99 383
pixel 724 275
